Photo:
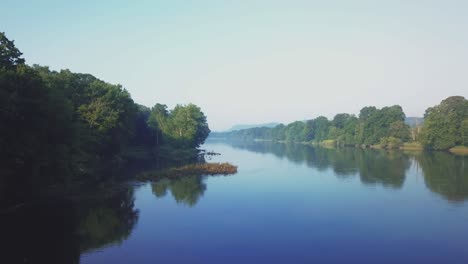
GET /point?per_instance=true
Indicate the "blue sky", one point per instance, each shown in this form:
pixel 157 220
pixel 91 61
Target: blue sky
pixel 255 61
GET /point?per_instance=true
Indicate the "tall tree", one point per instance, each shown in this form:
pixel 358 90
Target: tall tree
pixel 10 56
pixel 158 121
pixel 443 123
pixel 321 128
pixel 189 125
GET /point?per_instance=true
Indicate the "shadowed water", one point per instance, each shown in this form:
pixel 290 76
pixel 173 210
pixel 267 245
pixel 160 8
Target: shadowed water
pixel 289 203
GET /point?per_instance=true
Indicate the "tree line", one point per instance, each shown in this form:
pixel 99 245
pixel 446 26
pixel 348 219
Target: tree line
pixel 372 126
pixel 445 126
pixel 59 127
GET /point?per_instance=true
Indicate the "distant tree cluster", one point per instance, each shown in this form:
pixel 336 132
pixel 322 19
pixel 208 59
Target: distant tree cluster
pixel 373 126
pixel 57 127
pixel 446 124
pixel 184 126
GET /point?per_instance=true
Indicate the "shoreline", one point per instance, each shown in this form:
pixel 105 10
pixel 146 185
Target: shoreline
pixel 409 146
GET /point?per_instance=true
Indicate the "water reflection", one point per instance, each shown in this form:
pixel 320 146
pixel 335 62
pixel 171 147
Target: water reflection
pixel 60 230
pixel 107 220
pixel 187 190
pixel 382 167
pixel 387 168
pixel 444 173
pixel 40 233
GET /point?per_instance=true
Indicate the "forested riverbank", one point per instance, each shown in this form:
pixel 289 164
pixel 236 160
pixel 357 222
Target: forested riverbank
pixel 445 127
pixel 63 129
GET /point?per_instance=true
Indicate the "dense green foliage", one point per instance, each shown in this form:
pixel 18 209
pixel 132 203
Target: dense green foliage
pixel 10 56
pixel 63 127
pixel 446 124
pixel 183 126
pixel 373 126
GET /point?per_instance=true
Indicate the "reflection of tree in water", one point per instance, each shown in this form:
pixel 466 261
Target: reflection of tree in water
pixel 107 221
pixel 344 161
pixel 373 166
pixel 160 187
pixel 59 230
pixel 186 190
pixel 445 174
pixel 43 232
pixel 383 167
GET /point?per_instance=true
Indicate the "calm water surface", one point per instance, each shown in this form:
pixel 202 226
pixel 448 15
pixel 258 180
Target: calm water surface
pixel 287 204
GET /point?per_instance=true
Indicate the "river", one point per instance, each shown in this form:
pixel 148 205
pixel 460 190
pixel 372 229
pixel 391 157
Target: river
pixel 288 203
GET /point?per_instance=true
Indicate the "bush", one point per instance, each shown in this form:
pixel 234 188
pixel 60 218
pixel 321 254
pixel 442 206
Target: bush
pixel 390 143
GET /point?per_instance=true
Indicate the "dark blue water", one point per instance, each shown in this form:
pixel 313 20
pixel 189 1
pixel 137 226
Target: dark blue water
pixel 287 204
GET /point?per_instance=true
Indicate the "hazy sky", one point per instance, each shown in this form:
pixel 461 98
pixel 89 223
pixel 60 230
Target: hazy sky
pixel 255 61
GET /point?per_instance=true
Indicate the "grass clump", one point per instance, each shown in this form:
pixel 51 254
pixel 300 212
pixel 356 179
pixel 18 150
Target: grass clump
pixel 461 150
pixel 412 146
pixel 329 143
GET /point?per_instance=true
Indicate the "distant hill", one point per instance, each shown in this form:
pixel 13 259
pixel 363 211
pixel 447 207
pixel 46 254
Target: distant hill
pixel 240 127
pixel 414 121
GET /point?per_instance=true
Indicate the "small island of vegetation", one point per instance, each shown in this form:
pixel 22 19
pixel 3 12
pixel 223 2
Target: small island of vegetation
pixel 189 170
